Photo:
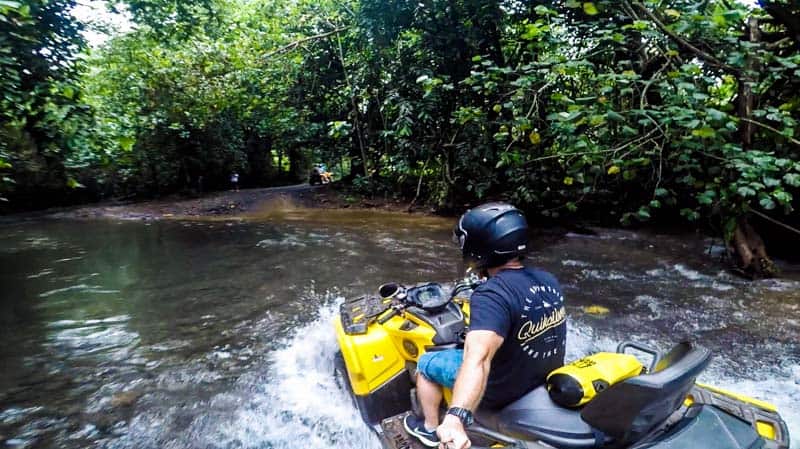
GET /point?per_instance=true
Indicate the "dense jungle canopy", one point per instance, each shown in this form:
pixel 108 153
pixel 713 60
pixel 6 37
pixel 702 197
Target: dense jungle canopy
pixel 635 110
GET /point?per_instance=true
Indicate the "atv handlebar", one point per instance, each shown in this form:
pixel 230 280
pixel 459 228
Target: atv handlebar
pixel 470 282
pixel 401 297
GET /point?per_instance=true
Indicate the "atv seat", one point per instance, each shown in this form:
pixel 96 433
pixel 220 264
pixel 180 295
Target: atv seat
pixel 627 411
pixel 535 417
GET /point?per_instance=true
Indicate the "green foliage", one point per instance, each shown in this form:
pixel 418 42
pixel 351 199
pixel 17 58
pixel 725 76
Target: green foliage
pixel 184 109
pixel 624 107
pixel 635 110
pixel 171 19
pixel 42 120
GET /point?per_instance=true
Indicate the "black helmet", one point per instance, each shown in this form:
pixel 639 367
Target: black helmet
pixel 492 234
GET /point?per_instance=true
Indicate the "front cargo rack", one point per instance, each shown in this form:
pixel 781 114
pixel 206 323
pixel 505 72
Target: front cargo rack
pixel 358 313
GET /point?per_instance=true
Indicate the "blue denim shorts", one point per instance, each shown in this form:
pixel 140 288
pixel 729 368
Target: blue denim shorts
pixel 441 366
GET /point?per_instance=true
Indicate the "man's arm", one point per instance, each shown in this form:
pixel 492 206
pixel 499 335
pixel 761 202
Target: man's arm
pixel 479 349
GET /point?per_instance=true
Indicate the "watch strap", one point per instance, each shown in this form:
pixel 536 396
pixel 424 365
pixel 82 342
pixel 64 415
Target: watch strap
pixel 463 414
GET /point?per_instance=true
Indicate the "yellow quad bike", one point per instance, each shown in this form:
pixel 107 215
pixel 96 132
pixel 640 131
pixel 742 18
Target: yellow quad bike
pixel 605 400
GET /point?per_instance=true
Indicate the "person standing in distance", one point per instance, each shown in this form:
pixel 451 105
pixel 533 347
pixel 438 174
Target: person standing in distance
pixel 516 337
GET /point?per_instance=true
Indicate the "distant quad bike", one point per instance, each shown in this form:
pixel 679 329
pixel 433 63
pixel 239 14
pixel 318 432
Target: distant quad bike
pixel 319 175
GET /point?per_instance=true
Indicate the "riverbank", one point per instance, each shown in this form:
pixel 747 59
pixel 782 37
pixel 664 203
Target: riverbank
pixel 304 201
pixel 230 203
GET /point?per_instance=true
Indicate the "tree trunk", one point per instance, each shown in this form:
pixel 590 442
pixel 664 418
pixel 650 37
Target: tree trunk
pixel 747 247
pixel 747 99
pixel 259 158
pixel 280 163
pixel 749 252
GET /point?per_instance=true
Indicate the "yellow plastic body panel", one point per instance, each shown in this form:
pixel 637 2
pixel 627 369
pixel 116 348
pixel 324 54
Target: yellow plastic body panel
pixel 760 404
pixel 370 358
pixel 609 367
pixel 377 356
pixel 447 395
pixel 464 304
pixel 766 430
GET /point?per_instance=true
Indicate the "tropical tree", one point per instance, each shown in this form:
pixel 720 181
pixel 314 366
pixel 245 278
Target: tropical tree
pixel 41 116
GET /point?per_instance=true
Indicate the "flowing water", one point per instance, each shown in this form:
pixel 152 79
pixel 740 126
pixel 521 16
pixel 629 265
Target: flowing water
pixel 217 334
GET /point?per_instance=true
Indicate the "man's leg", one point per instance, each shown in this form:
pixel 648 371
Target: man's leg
pixel 434 370
pixel 430 398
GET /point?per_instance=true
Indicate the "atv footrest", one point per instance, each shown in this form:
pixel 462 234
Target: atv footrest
pixel 396 437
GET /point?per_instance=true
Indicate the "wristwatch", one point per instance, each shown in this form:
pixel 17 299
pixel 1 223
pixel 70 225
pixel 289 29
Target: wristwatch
pixel 463 414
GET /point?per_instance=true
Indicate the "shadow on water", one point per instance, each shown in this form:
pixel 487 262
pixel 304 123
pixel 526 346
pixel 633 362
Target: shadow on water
pixel 216 333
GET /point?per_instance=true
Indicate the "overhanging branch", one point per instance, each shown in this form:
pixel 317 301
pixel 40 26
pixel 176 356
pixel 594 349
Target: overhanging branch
pixel 293 45
pixel 769 128
pixel 709 58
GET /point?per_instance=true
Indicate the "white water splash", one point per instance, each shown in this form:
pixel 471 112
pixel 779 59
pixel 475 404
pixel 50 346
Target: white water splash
pixel 301 404
pixel 779 285
pixel 688 273
pixel 652 303
pixel 720 287
pixel 81 288
pixel 300 400
pixel 604 276
pixel 290 241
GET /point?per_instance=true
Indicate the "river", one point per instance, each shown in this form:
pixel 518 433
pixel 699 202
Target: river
pixel 216 334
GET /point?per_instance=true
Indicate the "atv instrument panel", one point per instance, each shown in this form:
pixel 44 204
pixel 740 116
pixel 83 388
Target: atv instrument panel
pixel 430 297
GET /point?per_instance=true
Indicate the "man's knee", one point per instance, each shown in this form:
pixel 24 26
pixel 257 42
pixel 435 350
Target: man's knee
pixel 441 367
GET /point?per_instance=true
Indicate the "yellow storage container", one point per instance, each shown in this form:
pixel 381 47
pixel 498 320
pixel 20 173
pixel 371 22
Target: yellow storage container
pixel 575 384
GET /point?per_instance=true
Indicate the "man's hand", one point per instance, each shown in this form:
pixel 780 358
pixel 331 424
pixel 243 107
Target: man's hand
pixel 452 434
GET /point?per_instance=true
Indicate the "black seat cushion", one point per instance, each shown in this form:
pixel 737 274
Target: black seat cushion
pixel 536 417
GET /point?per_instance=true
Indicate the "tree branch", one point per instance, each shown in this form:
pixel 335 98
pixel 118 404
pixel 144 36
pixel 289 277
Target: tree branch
pixel 684 43
pixel 778 43
pixel 534 106
pixel 770 219
pixel 643 99
pixel 419 184
pixel 769 128
pixel 291 46
pixel 583 153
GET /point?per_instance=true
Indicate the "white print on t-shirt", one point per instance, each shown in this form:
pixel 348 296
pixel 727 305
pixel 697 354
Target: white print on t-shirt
pixel 554 315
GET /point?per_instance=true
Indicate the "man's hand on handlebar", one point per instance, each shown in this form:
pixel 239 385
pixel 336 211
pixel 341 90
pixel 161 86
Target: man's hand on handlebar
pixel 452 434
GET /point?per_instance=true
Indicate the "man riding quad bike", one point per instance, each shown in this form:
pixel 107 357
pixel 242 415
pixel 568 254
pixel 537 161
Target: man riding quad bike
pixel 424 368
pixel 320 175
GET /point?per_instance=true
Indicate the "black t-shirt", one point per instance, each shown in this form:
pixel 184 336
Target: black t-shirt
pixel 526 308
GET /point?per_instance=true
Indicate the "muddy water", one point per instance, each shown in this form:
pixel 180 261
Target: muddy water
pixel 216 334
